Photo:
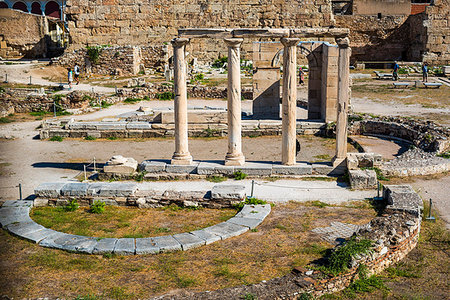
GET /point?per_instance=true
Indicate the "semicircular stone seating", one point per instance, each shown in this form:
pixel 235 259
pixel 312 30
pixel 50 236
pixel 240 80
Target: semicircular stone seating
pixel 15 217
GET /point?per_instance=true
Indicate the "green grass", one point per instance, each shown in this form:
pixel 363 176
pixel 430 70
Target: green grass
pixel 56 138
pixel 444 155
pixel 216 178
pixel 239 175
pixel 318 203
pixel 5 120
pixel 90 138
pixel 165 96
pixel 132 100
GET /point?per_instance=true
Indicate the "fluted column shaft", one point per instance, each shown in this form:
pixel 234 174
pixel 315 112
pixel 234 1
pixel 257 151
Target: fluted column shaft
pixel 343 98
pixel 289 102
pixel 234 155
pixel 181 155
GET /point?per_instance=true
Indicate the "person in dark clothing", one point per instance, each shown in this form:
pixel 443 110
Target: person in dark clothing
pixel 395 73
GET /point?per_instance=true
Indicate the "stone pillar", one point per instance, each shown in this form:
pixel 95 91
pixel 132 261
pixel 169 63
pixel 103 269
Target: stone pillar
pixel 181 155
pixel 289 102
pixel 234 156
pixel 343 99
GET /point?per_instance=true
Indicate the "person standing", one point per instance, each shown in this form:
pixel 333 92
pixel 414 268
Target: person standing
pixel 395 73
pixel 70 77
pixel 301 75
pixel 76 71
pixel 425 72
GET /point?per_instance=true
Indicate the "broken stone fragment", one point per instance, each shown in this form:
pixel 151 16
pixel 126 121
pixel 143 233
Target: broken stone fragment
pixel 120 165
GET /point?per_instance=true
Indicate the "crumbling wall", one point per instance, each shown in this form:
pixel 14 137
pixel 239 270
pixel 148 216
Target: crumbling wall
pixel 142 22
pixel 437 24
pixel 383 7
pixel 22 34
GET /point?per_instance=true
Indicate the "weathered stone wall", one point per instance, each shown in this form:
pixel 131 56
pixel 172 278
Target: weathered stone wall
pixel 436 21
pixel 22 34
pixel 145 22
pixel 385 7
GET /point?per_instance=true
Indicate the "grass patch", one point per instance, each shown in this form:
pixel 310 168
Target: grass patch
pixel 216 178
pixel 444 155
pixel 132 100
pixel 56 138
pixel 250 201
pixel 239 175
pixel 4 120
pixel 318 203
pixel 90 138
pixel 322 157
pixel 165 96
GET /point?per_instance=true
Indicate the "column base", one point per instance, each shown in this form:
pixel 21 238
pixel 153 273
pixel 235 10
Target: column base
pixel 234 160
pixel 181 159
pixel 288 163
pixel 338 162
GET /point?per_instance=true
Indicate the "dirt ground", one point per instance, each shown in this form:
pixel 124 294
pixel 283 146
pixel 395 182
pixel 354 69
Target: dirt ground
pixel 281 242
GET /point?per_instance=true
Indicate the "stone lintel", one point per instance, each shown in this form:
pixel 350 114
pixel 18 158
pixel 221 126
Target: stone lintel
pixel 307 32
pixel 204 33
pixel 261 32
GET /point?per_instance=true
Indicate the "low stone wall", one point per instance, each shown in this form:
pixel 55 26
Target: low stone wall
pixel 129 194
pixel 142 129
pixel 423 134
pixel 395 233
pixel 116 60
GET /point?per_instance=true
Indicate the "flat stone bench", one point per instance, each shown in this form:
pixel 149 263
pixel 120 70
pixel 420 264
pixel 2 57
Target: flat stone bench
pixel 383 75
pixel 14 217
pixel 432 84
pixel 400 84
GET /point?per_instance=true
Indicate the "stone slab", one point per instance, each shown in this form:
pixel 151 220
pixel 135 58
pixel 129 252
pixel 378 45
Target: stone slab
pixel 18 203
pixel 224 170
pixel 104 246
pixel 326 168
pixel 24 228
pixel 226 230
pixel 49 190
pixel 37 236
pixel 254 211
pixel 182 169
pixel 225 191
pixel 9 215
pixel 206 168
pixel 75 189
pixel 53 240
pixel 139 126
pixel 146 246
pixel 166 243
pixel 247 222
pixel 297 169
pixel 125 246
pixel 188 240
pixel 111 126
pixel 208 237
pixel 118 189
pixel 71 242
pixel 152 166
pixel 255 169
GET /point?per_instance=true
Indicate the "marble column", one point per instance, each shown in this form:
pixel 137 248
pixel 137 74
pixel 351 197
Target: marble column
pixel 181 155
pixel 343 99
pixel 234 155
pixel 289 102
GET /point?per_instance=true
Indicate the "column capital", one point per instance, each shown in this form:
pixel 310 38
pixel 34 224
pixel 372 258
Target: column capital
pixel 233 42
pixel 180 42
pixel 289 42
pixel 343 42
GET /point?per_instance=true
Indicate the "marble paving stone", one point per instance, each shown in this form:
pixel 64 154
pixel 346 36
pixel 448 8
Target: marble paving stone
pixel 146 246
pixel 226 230
pixel 104 246
pixel 118 189
pixel 152 166
pixel 166 243
pixel 253 168
pixel 297 169
pixel 183 169
pixel 18 203
pixel 74 189
pixel 49 190
pixel 188 240
pixel 53 240
pixel 125 246
pixel 24 228
pixel 226 191
pixel 254 211
pixel 208 237
pixel 37 236
pixel 247 222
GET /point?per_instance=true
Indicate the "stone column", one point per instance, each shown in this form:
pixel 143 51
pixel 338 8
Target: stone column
pixel 181 155
pixel 289 102
pixel 234 156
pixel 343 99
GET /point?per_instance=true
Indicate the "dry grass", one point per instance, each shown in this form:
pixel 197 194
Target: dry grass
pixel 129 222
pixel 280 243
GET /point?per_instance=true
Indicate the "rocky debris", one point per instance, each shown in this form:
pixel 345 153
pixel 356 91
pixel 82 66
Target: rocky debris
pixel 120 165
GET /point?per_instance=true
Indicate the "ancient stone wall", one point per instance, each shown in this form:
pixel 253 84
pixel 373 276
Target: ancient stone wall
pixel 22 34
pixel 144 22
pixel 436 21
pixel 383 7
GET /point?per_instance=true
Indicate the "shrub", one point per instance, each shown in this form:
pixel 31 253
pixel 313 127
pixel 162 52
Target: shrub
pixel 56 138
pixel 97 207
pixel 146 98
pixel 90 138
pixel 165 96
pixel 239 175
pixel 250 201
pixel 72 205
pixel 220 62
pixel 94 53
pixel 105 104
pixel 132 100
pixel 5 120
pixel 216 178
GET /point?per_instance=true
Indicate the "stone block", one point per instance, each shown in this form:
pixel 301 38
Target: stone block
pixel 111 126
pixel 208 237
pixel 247 222
pixel 139 126
pixel 39 235
pixel 182 169
pixel 40 202
pixel 326 168
pixel 146 246
pixel 255 169
pixel 402 197
pixel 297 169
pixel 226 230
pixel 120 165
pixel 362 179
pixel 75 189
pixel 166 243
pixel 9 215
pixel 18 203
pixel 207 168
pixel 188 240
pixel 224 170
pixel 223 191
pixel 125 246
pixel 54 240
pixel 49 190
pixel 152 166
pixel 254 211
pixel 106 245
pixel 23 228
pixel 118 189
